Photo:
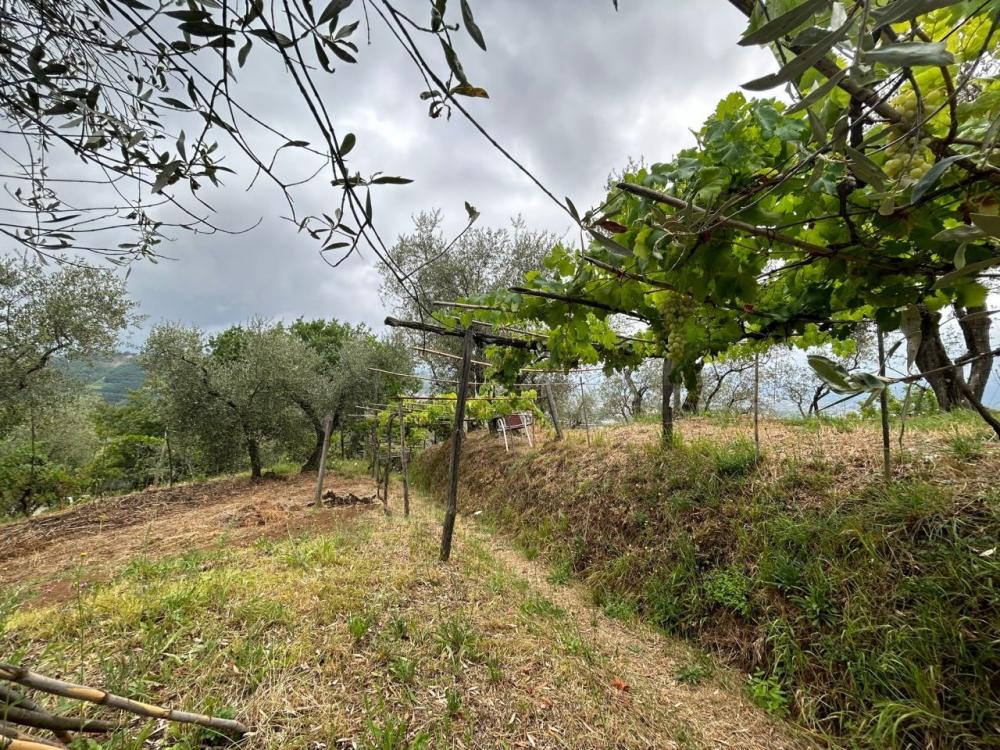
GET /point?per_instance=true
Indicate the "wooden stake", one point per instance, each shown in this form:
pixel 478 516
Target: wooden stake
pixel 667 416
pixel 403 462
pixel 552 411
pixel 327 426
pixel 583 409
pixel 883 407
pixel 756 406
pixel 170 459
pixel 456 449
pixel 388 466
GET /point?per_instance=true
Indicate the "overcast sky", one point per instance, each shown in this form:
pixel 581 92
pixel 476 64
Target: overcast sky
pixel 575 89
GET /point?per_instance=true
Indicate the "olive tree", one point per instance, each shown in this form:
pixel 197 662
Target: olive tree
pixel 45 315
pixel 234 391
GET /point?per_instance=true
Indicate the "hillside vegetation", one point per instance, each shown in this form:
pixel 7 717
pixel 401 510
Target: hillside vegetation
pixel 866 611
pixel 112 377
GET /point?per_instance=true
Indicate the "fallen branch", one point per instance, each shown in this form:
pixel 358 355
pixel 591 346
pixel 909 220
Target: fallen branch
pixel 12 697
pixel 11 732
pixel 45 684
pixel 38 720
pixel 33 743
pixel 331 498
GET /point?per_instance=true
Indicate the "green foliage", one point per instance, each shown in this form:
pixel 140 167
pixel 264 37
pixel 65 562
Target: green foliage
pixel 456 639
pixel 868 613
pixel 358 626
pixel 768 693
pixel 112 377
pixel 693 674
pixel 728 588
pixel 27 482
pixel 127 462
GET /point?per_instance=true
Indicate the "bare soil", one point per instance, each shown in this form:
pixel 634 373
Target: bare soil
pixel 91 541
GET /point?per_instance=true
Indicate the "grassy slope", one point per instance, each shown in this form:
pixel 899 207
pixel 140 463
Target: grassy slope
pixel 869 613
pixel 356 636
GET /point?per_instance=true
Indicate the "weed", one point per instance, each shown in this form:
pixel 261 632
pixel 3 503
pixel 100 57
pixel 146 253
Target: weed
pixel 966 447
pixel 399 628
pixel 358 626
pixel 768 693
pixel 561 573
pixel 494 669
pixel 729 588
pixel 391 734
pixel 536 604
pixel 453 701
pixel 573 644
pixel 693 674
pixel 403 670
pixel 734 460
pixel 619 608
pixel 455 638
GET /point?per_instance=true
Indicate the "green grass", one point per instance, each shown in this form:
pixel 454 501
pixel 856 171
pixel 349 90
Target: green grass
pixel 867 615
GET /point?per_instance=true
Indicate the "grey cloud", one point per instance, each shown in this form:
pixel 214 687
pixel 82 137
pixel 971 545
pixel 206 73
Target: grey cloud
pixel 575 89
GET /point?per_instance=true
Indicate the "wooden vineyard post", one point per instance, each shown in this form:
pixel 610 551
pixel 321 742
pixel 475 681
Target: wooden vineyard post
pixel 883 403
pixel 756 406
pixel 456 449
pixel 403 463
pixel 327 426
pixel 388 466
pixel 667 417
pixel 552 411
pixel 583 409
pixel 170 459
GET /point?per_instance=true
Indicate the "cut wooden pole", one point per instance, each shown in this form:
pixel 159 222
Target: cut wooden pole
pixel 667 415
pixel 552 411
pixel 25 742
pixel 12 697
pixel 388 466
pixel 756 406
pixel 583 411
pixel 12 732
pixel 883 404
pixel 403 463
pixel 170 459
pixel 327 426
pixel 45 684
pixel 40 720
pixel 456 448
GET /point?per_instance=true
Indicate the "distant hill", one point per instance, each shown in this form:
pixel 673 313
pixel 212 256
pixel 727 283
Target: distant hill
pixel 111 377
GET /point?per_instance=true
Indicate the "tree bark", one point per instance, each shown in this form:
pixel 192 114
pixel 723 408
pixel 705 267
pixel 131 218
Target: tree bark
pixel 312 463
pixel 667 410
pixel 253 450
pixel 946 384
pixel 975 323
pixel 693 396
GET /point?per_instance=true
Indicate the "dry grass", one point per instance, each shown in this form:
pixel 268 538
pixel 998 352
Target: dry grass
pixel 330 628
pixel 853 448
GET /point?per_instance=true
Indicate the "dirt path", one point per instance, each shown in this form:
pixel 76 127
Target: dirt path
pixel 648 662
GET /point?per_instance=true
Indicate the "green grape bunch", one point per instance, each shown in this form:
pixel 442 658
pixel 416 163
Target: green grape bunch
pixel 676 309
